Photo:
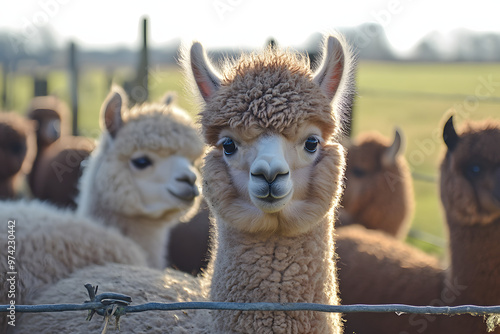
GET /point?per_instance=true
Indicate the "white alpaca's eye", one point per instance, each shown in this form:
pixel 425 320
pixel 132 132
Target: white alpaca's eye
pixel 141 162
pixel 311 144
pixel 229 146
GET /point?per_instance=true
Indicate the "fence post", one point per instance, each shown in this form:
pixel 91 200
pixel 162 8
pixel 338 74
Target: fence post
pixel 73 86
pixel 5 74
pixel 40 86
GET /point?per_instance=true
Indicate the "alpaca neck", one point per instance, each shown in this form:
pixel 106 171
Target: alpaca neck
pixel 32 176
pixel 252 268
pixel 150 235
pixel 475 262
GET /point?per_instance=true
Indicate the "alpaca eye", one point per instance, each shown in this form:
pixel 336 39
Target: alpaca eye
pixel 473 171
pixel 141 162
pixel 311 144
pixel 17 148
pixel 229 146
pixel 358 172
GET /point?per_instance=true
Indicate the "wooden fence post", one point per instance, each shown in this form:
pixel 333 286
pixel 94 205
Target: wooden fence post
pixel 73 86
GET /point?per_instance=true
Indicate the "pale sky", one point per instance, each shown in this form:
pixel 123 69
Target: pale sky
pixel 241 23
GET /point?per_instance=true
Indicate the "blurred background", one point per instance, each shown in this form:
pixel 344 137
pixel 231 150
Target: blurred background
pixel 417 60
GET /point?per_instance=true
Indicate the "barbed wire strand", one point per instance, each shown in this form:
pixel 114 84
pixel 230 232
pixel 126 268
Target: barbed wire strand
pixel 355 308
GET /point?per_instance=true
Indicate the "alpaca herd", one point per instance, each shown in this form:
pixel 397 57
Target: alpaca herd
pixel 274 171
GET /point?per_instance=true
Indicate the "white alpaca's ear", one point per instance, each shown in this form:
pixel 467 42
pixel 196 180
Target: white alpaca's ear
pixel 206 77
pixel 392 152
pixel 111 112
pixel 329 74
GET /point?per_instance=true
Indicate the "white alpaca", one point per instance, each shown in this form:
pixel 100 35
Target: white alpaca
pixel 143 167
pixel 141 178
pixel 272 177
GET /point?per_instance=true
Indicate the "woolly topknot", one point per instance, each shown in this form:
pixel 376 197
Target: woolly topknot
pixel 161 127
pixel 268 91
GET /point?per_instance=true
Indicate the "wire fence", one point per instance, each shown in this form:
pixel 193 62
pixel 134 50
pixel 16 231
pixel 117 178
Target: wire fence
pixel 398 309
pixel 115 304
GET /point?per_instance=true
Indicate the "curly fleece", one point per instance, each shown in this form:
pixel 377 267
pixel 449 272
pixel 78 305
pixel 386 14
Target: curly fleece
pixel 52 243
pixel 272 91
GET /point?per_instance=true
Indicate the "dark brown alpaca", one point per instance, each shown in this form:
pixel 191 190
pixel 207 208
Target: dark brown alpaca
pixel 379 189
pixel 470 193
pixel 379 272
pixel 17 151
pixel 57 167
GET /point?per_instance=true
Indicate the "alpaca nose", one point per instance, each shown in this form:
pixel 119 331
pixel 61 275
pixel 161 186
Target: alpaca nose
pixel 270 163
pixel 188 177
pixel 269 169
pixel 185 186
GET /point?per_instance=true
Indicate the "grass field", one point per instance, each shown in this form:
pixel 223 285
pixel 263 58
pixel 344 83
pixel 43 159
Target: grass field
pixel 414 97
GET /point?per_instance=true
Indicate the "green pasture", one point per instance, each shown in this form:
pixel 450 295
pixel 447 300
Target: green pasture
pixel 414 97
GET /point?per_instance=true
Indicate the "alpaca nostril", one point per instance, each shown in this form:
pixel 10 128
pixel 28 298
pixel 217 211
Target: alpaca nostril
pixel 280 176
pixel 271 177
pixel 268 173
pixel 188 178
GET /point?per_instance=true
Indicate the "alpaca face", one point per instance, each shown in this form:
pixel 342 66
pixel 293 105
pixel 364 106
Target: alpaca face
pixel 164 184
pixel 275 166
pixel 48 126
pixel 373 174
pixel 470 181
pixel 146 162
pixel 271 170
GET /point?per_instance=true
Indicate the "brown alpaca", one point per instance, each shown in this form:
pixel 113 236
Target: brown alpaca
pixel 375 268
pixel 379 189
pixel 470 193
pixel 17 152
pixel 57 167
pixel 271 183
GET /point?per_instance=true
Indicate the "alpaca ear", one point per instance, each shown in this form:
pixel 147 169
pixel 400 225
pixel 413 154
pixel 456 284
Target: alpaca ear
pixel 450 136
pixel 392 152
pixel 111 112
pixel 206 78
pixel 329 73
